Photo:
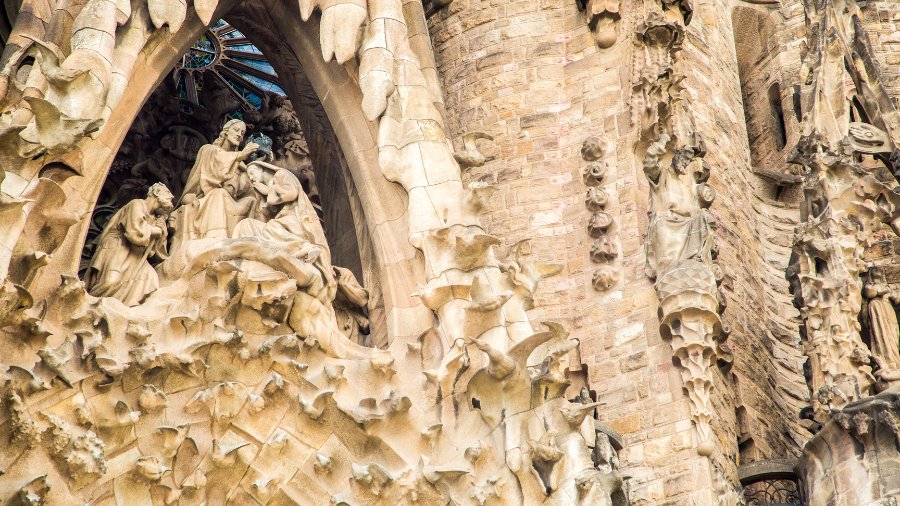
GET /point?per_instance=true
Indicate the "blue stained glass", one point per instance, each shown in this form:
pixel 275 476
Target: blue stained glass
pixel 247 48
pixel 233 34
pixel 251 97
pixel 202 53
pixel 262 83
pixel 259 65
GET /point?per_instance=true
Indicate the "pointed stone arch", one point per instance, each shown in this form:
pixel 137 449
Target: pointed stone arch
pixel 330 96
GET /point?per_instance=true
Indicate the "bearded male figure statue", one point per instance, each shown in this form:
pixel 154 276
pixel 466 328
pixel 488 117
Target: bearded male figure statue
pixel 214 198
pixel 120 267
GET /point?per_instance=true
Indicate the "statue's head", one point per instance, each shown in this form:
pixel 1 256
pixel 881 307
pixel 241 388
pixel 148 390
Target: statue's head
pixel 284 188
pixel 683 157
pixel 877 276
pixel 233 133
pixel 163 197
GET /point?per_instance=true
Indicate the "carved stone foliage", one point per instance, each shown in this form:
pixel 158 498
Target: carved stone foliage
pixel 680 246
pixel 844 207
pixel 601 225
pixel 233 383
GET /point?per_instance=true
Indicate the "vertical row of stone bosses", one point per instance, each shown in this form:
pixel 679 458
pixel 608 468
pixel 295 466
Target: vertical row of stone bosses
pixel 601 226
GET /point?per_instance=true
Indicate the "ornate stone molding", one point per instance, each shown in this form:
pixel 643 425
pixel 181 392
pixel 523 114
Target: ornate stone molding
pixel 844 204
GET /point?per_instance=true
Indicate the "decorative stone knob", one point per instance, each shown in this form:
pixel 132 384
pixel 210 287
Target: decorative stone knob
pixel 596 199
pixel 605 277
pixel 594 173
pixel 599 224
pixel 603 250
pixel 592 149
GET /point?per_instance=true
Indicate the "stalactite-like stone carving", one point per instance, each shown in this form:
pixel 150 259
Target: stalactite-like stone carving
pixel 680 244
pixel 844 204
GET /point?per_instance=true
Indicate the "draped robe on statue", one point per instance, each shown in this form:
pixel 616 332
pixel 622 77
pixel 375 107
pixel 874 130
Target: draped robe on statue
pixel 884 327
pixel 215 211
pixel 295 228
pixel 119 268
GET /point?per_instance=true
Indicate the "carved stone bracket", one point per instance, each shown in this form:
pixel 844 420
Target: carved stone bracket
pixel 838 461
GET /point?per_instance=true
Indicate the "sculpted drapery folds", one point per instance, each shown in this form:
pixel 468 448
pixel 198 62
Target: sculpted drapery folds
pixel 884 332
pixel 233 381
pixel 136 233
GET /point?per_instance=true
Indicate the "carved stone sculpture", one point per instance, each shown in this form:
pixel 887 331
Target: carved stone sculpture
pixel 350 305
pixel 884 332
pixel 680 246
pixel 603 17
pixel 209 205
pixel 136 233
pixel 844 205
pixel 234 383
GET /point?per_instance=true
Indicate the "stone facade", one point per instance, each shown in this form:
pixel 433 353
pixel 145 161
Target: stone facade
pixel 697 200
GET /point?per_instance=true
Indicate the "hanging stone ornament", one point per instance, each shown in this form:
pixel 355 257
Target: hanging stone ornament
pixel 602 17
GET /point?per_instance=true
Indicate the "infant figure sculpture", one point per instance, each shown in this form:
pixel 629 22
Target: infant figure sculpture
pixel 120 267
pixel 215 195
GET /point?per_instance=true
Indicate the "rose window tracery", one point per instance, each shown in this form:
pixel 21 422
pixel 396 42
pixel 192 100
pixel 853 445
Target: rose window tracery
pixel 227 56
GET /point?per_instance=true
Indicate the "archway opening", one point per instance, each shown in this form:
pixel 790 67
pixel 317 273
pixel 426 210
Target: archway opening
pixel 224 75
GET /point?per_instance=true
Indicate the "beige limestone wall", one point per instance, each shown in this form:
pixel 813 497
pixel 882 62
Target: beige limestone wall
pixel 529 74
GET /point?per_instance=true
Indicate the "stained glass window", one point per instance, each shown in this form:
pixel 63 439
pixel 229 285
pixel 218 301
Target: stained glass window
pixel 237 62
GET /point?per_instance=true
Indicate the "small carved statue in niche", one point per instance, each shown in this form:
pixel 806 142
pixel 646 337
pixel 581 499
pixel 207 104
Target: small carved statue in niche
pixel 680 227
pixel 213 200
pixel 350 305
pixel 603 19
pixel 120 267
pixel 884 333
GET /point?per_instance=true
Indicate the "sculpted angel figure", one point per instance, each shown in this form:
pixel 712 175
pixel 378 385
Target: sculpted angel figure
pixel 137 232
pixel 214 198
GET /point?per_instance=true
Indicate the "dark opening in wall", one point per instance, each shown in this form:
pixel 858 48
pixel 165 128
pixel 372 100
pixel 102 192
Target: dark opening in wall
pixel 779 129
pixel 798 103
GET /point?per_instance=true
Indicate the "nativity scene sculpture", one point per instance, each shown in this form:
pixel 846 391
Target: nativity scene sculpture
pixel 233 382
pixel 232 367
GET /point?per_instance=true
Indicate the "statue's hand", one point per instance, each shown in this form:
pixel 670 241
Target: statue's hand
pixel 248 150
pixel 156 231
